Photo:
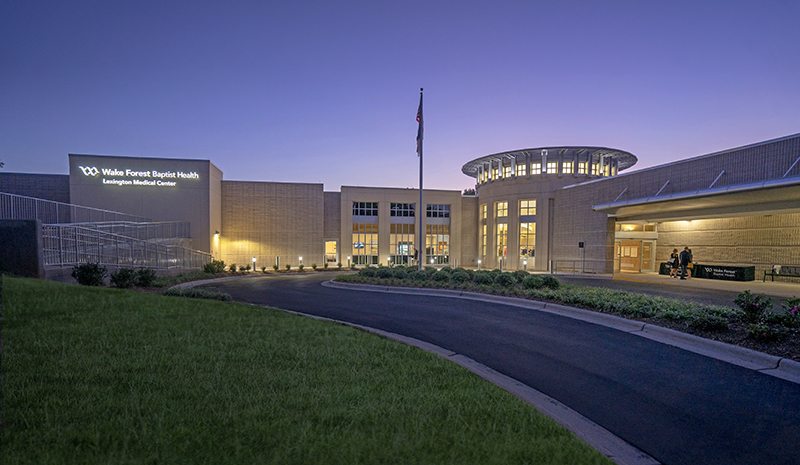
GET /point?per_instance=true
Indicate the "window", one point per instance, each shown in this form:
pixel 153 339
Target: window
pixel 582 167
pixel 365 243
pixel 365 208
pixel 502 240
pixel 605 169
pixel 401 244
pixel 594 169
pixel 402 209
pixel 536 168
pixel 552 167
pixel 527 207
pixel 527 242
pixel 500 209
pixel 521 169
pixel 438 211
pixel 566 167
pixel 506 171
pixel 495 173
pixel 483 211
pixel 437 244
pixel 483 242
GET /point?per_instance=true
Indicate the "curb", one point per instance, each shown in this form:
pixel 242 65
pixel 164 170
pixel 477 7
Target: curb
pixel 772 365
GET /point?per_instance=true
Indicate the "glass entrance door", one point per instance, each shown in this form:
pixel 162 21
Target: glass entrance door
pixel 630 256
pixel 331 251
pixel 648 253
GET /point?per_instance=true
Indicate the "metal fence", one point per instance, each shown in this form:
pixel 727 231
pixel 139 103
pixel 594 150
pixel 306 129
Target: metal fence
pixel 20 207
pixel 67 245
pixel 583 266
pixel 152 231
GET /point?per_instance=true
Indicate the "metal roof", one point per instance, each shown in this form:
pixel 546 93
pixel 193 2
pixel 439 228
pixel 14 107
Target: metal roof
pixel 625 159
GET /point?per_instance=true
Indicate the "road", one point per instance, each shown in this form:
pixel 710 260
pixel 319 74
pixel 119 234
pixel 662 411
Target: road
pixel 677 406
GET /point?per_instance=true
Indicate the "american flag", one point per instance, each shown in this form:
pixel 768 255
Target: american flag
pixel 419 120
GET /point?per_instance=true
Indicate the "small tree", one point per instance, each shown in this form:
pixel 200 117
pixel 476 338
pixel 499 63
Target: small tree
pixel 288 267
pixel 264 269
pixel 314 266
pixel 275 267
pixel 233 268
pixel 300 267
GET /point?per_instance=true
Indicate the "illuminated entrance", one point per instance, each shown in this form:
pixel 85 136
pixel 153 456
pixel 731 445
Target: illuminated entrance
pixel 331 251
pixel 634 247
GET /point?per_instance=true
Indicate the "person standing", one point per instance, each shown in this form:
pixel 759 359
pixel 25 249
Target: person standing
pixel 674 264
pixel 690 266
pixel 685 259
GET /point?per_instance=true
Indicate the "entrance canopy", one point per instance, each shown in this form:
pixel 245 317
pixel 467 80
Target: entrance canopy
pixel 777 196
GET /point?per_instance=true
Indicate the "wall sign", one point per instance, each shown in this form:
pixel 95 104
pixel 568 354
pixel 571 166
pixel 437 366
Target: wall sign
pixel 128 177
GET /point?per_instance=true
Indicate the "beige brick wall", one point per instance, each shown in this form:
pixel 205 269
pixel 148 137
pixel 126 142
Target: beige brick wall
pixel 762 241
pixel 469 232
pixel 267 219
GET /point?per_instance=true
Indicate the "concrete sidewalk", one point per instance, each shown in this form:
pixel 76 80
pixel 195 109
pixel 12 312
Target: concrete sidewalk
pixel 780 289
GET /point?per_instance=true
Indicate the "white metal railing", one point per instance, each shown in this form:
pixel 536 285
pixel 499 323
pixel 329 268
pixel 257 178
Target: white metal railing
pixel 20 207
pixel 151 231
pixel 66 245
pixel 583 266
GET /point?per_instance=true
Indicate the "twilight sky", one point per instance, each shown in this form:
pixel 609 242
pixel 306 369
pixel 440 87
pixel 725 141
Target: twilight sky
pixel 327 92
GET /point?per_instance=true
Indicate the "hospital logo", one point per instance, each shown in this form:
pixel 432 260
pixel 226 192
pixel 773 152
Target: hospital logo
pixel 89 170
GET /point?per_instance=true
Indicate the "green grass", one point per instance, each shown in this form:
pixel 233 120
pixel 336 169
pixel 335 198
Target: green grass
pixel 97 375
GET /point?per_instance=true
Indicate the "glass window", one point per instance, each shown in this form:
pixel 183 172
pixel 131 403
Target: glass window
pixel 483 211
pixel 527 207
pixel 566 167
pixel 521 169
pixel 438 211
pixel 495 173
pixel 365 208
pixel 527 242
pixel 536 168
pixel 594 169
pixel 552 167
pixel 402 209
pixel 605 170
pixel 437 244
pixel 506 171
pixel 502 240
pixel 500 209
pixel 401 244
pixel 483 242
pixel 582 167
pixel 365 243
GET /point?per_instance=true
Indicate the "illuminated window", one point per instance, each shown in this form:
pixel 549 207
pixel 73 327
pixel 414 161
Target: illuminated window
pixel 552 167
pixel 605 170
pixel 500 209
pixel 582 167
pixel 506 171
pixel 536 168
pixel 527 207
pixel 438 211
pixel 521 170
pixel 401 243
pixel 594 169
pixel 566 167
pixel 495 173
pixel 502 240
pixel 527 242
pixel 483 211
pixel 365 243
pixel 437 243
pixel 483 242
pixel 402 209
pixel 365 208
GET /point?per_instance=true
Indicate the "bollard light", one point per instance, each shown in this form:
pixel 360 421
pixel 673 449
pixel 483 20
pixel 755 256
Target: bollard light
pixel 479 264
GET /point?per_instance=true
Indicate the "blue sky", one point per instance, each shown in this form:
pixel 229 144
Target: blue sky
pixel 328 91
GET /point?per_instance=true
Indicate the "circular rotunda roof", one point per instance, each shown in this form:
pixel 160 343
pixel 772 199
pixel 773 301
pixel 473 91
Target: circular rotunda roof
pixel 625 159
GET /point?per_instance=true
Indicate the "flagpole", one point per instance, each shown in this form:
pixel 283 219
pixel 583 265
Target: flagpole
pixel 421 209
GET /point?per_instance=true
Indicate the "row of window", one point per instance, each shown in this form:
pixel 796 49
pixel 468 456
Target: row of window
pixel 527 207
pixel 401 209
pixel 527 240
pixel 401 243
pixel 567 167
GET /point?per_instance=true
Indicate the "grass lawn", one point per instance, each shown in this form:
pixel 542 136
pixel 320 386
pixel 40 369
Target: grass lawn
pixel 97 375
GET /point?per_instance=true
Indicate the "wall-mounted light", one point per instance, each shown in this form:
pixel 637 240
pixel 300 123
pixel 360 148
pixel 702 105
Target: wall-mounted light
pixel 479 264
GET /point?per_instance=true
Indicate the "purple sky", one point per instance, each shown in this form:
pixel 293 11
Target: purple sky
pixel 328 91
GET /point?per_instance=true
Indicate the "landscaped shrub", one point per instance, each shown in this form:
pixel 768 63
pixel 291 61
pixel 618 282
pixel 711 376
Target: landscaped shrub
pixel 440 276
pixel 124 278
pixel 90 274
pixel 275 267
pixel 325 265
pixel 214 266
pixel 353 266
pixel 145 277
pixel 754 307
pixel 550 282
pixel 264 268
pixel 232 268
pixel 400 272
pixel 520 275
pixel 198 293
pixel 533 282
pixel 708 322
pixel 368 272
pixel 483 277
pixel 300 267
pixel 460 276
pixel 385 272
pixel 765 333
pixel 339 265
pixel 288 267
pixel 420 275
pixel 504 279
pixel 791 312
pixel 446 269
pixel 314 266
pixel 247 267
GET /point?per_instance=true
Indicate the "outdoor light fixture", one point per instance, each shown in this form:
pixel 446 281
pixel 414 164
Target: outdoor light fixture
pixel 525 263
pixel 348 261
pixel 254 259
pixel 479 264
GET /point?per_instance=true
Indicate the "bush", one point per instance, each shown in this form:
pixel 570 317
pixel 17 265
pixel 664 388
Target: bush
pixel 300 267
pixel 145 277
pixel 247 268
pixel 446 269
pixel 533 282
pixel 263 268
pixel 385 272
pixel 520 275
pixel 420 275
pixel 353 266
pixel 90 274
pixel 368 272
pixel 314 266
pixel 325 265
pixel 483 277
pixel 400 272
pixel 708 322
pixel 288 267
pixel 339 265
pixel 197 293
pixel 504 279
pixel 550 282
pixel 275 267
pixel 124 278
pixel 440 276
pixel 791 312
pixel 460 276
pixel 232 268
pixel 214 266
pixel 754 307
pixel 765 333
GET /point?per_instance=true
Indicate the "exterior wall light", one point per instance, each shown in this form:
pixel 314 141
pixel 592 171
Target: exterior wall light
pixel 348 261
pixel 525 265
pixel 479 264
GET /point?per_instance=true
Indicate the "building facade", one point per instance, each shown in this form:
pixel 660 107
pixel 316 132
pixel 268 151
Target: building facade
pixel 548 208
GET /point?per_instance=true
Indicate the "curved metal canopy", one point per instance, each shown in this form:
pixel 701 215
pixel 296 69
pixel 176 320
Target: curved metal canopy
pixel 625 159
